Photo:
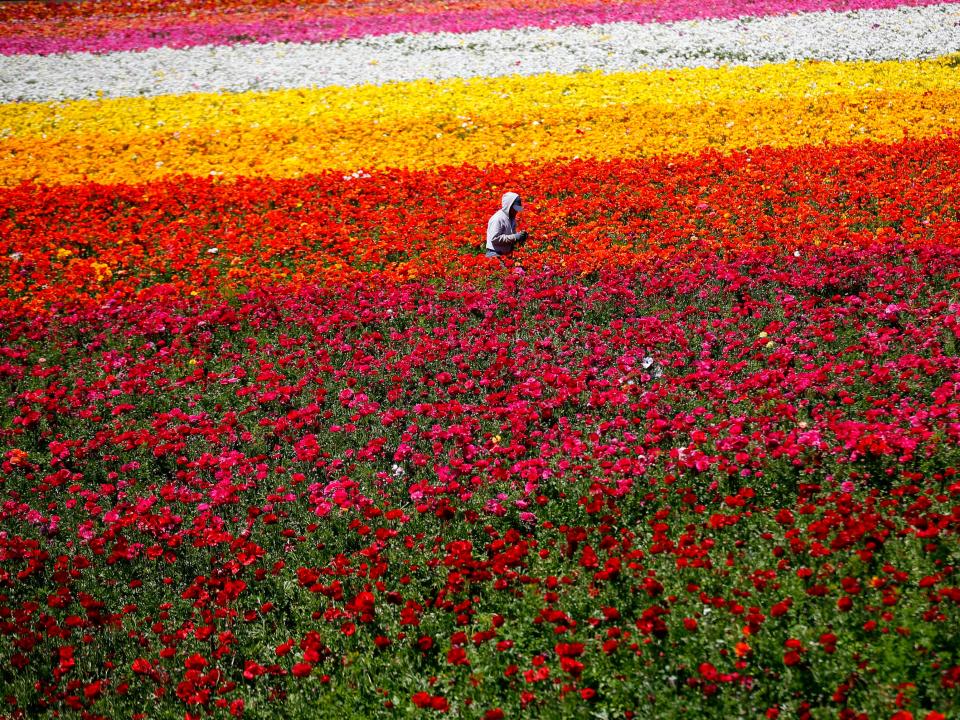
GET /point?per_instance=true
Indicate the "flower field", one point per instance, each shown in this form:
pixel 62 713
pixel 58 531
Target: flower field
pixel 277 440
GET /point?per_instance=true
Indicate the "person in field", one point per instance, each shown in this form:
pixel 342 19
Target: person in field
pixel 502 235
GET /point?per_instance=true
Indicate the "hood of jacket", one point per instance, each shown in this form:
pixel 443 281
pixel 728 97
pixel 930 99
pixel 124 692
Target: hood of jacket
pixel 508 200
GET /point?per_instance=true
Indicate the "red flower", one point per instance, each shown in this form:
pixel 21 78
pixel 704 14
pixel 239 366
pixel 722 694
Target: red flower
pixel 433 702
pixel 571 666
pixel 457 656
pixel 781 608
pixel 301 669
pixel 828 641
pixel 252 670
pixel 422 699
pixel 569 649
pixel 792 658
pixel 283 648
pixel 195 662
pixel 363 605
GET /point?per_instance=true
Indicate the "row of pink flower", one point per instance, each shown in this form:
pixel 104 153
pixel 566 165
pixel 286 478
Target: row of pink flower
pixel 316 24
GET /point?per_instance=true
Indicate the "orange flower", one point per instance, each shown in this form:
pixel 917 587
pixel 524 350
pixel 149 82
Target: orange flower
pixel 17 457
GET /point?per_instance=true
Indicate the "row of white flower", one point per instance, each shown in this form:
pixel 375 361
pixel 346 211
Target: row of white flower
pixel 901 33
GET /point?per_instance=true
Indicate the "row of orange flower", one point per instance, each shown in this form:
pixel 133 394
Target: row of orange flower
pixel 208 235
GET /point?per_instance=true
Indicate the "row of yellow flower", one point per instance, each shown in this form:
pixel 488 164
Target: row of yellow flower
pixel 514 96
pixel 425 124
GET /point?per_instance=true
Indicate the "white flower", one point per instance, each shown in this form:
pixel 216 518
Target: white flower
pixel 648 363
pixel 888 34
pixel 213 250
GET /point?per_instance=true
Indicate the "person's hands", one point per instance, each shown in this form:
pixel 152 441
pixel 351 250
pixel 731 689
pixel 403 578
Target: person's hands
pixel 522 236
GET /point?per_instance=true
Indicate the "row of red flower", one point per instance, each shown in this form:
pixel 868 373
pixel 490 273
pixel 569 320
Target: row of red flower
pixel 91 241
pixel 708 484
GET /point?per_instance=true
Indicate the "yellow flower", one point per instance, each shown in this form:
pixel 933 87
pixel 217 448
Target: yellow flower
pixel 420 124
pixel 101 271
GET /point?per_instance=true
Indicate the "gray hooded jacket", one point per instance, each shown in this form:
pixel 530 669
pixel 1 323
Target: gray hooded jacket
pixel 501 230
